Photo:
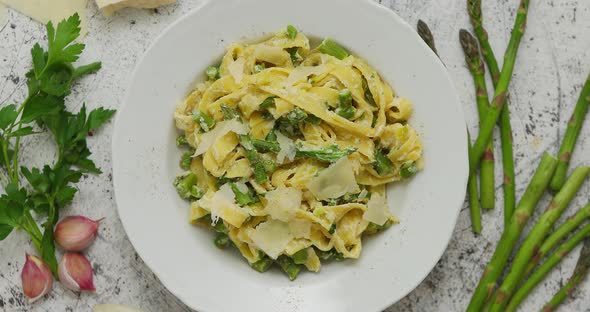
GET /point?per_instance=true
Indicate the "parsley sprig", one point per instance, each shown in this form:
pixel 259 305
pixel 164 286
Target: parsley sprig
pixel 48 189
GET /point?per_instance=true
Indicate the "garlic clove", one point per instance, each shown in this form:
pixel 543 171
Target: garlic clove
pixel 36 278
pixel 76 233
pixel 75 272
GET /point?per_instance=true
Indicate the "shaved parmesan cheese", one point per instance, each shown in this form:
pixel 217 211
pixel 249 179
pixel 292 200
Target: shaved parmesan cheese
pixel 272 237
pixel 300 228
pixel 300 74
pixel 209 138
pixel 108 7
pixel 288 148
pixel 236 69
pixel 377 210
pixel 335 181
pixel 223 205
pixel 54 10
pixel 283 203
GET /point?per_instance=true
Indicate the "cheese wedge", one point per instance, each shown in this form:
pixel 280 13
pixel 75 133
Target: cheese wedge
pixel 54 10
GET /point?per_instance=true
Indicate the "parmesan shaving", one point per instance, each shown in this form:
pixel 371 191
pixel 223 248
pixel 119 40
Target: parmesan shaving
pixel 223 205
pixel 283 203
pixel 209 138
pixel 300 228
pixel 272 237
pixel 300 74
pixel 236 69
pixel 335 181
pixel 288 148
pixel 377 210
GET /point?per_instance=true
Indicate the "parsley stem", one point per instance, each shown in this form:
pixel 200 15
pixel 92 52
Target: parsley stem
pixel 6 159
pixel 32 228
pixel 15 159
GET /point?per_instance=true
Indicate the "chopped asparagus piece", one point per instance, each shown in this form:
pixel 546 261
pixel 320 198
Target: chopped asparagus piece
pixel 221 240
pixel 186 186
pixel 243 198
pixel 220 227
pixel 294 53
pixel 346 109
pixel 181 141
pixel 212 72
pixel 328 46
pixel 262 265
pixel 291 32
pixel 186 159
pixel 382 164
pixel 312 119
pixel 300 257
pixel 408 170
pixel 368 94
pixel 205 121
pixel 229 113
pixel 289 266
pixel 259 165
pixel 332 228
pixel 267 103
pixel 258 68
pixel 328 154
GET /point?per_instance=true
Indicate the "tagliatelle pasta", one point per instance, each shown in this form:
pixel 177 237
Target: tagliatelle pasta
pixel 290 150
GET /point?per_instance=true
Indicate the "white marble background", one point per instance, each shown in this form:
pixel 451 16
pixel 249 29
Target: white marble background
pixel 553 62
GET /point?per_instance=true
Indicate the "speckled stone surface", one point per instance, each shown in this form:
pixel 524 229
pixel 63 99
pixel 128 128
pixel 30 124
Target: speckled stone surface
pixel 553 62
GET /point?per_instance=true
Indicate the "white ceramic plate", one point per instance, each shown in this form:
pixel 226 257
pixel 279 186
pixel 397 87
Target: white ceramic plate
pixel 184 257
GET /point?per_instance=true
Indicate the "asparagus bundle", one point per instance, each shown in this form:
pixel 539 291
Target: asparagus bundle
pixel 512 232
pixel 571 136
pixel 580 272
pixel 487 126
pixel 559 234
pixel 536 235
pixel 477 69
pixel 546 267
pixel 475 14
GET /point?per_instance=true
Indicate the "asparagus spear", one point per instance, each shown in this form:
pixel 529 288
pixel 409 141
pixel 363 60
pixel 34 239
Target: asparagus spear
pixel 426 35
pixel 477 69
pixel 546 267
pixel 580 272
pixel 487 126
pixel 473 196
pixel 560 233
pixel 571 136
pixel 474 9
pixel 511 233
pixel 536 235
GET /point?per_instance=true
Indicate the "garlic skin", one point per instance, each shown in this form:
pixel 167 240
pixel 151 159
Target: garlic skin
pixel 36 278
pixel 76 233
pixel 75 272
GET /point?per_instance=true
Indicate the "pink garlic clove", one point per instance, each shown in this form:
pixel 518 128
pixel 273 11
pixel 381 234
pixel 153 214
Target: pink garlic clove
pixel 76 233
pixel 75 272
pixel 36 278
